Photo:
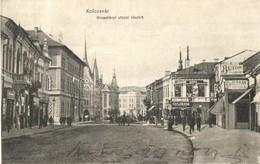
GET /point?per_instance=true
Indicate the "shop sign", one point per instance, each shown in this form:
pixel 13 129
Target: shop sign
pixel 231 68
pixel 236 84
pixel 180 104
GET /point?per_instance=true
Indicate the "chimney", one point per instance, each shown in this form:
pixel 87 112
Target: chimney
pixel 36 29
pixel 167 73
pixel 203 60
pixel 216 59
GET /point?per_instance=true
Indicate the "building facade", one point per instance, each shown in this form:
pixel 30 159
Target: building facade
pixel 24 73
pixel 66 71
pixel 132 103
pixel 110 98
pixel 235 89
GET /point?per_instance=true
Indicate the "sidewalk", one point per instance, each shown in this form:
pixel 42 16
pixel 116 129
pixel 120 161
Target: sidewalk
pixel 218 145
pixel 14 133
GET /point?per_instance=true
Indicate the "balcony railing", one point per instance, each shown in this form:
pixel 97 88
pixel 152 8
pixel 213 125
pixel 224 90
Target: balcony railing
pixel 21 79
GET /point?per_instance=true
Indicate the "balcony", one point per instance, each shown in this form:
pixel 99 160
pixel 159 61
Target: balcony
pixel 21 81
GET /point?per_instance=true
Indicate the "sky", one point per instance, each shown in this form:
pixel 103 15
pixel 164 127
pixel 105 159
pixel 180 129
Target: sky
pixel 141 50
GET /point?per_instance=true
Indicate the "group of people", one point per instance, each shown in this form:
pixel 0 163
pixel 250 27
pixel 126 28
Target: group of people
pixel 64 119
pixel 122 120
pixel 190 120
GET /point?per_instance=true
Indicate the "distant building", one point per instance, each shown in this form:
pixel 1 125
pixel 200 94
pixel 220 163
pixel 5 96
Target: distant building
pixel 131 103
pixel 110 97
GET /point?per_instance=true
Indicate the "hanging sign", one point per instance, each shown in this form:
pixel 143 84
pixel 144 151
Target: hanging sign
pixel 236 84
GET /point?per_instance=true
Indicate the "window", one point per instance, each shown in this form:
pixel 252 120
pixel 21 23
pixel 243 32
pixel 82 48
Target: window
pixel 177 90
pixel 54 60
pixel 62 108
pixel 201 90
pixel 189 90
pixel 63 62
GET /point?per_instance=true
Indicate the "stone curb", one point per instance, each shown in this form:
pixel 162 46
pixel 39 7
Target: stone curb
pixel 36 133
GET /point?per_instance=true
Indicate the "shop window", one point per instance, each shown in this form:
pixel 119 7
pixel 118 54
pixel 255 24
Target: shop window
pixel 189 89
pixel 177 90
pixel 201 90
pixel 242 112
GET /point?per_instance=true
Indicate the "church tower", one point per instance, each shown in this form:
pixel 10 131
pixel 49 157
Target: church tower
pixel 180 63
pixel 114 82
pixel 187 61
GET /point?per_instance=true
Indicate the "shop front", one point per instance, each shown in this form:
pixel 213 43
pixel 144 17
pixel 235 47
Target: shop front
pixel 8 111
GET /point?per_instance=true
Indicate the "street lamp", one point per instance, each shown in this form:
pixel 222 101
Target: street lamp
pixel 53 101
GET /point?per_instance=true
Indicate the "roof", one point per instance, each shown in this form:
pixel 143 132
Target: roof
pixel 40 35
pixel 240 57
pixel 251 62
pixel 202 70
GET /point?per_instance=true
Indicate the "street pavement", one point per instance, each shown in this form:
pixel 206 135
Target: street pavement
pixel 99 143
pixel 218 145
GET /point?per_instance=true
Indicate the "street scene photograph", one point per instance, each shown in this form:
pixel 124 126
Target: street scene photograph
pixel 130 81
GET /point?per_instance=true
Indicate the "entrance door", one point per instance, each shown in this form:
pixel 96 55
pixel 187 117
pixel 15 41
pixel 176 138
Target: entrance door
pixel 242 115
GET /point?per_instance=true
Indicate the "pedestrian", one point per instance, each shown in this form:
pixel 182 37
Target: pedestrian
pixel 170 122
pixel 192 123
pixel 124 119
pixel 198 120
pixel 183 121
pixel 128 120
pixel 210 120
pixel 51 120
pixel 162 121
pixel 40 123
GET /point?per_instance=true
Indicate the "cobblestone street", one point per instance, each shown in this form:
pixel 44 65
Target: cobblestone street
pixel 100 144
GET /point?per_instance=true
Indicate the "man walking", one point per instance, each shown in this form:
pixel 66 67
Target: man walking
pixel 192 123
pixel 183 121
pixel 198 120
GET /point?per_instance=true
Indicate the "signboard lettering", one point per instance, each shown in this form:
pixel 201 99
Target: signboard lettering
pixel 236 84
pixel 231 68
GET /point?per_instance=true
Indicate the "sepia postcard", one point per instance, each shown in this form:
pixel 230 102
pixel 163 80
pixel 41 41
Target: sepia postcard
pixel 130 81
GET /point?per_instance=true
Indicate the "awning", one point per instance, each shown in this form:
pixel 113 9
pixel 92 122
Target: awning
pixel 240 97
pixel 150 109
pixel 256 98
pixel 218 107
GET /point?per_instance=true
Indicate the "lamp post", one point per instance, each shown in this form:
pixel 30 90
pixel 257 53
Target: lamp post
pixel 53 102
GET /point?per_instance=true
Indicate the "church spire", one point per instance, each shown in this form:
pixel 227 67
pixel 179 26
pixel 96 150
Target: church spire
pixel 180 63
pixel 114 82
pixel 86 55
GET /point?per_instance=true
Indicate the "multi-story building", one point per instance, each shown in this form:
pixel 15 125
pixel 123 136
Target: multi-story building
pixel 110 98
pixel 132 103
pixel 187 89
pixel 235 89
pixel 66 71
pixel 255 73
pixel 24 75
